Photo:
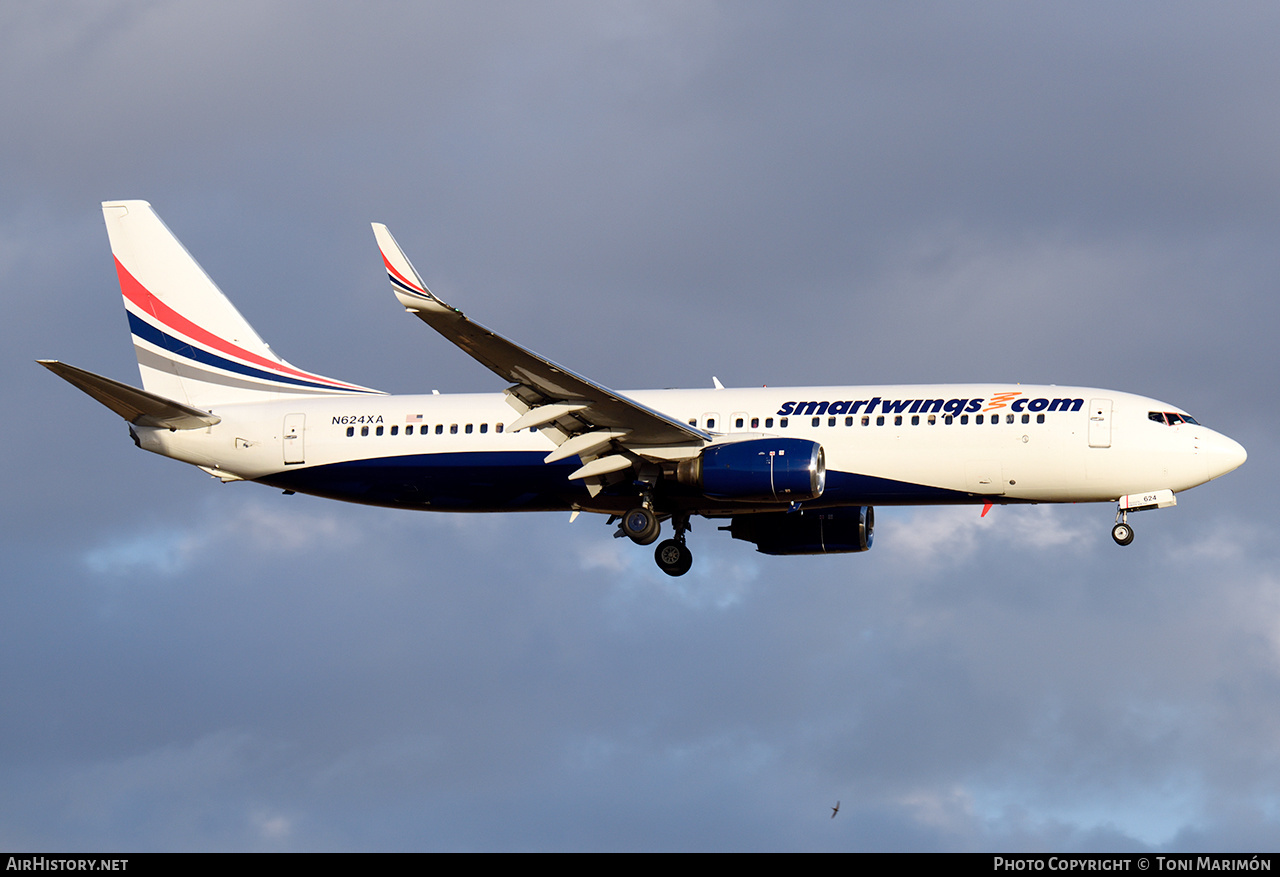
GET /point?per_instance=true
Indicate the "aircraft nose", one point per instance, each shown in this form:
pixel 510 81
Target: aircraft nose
pixel 1222 454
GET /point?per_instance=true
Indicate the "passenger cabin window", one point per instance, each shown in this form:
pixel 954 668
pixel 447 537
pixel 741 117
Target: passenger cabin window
pixel 395 430
pixel 364 430
pixel 439 428
pixel 408 430
pixel 768 423
pixel 453 429
pixel 351 430
pixel 737 423
pixel 379 430
pixel 755 423
pixel 497 427
pixel 484 427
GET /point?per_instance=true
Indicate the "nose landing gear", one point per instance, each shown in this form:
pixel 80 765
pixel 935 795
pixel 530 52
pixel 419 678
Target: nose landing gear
pixel 1137 502
pixel 1122 532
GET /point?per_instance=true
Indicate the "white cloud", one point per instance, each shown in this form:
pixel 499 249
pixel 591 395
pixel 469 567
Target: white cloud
pixel 607 555
pixel 929 537
pixel 1227 539
pixel 949 811
pixel 272 826
pixel 225 527
pixel 165 552
pixel 721 578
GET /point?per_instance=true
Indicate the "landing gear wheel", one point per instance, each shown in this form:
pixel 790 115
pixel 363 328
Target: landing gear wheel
pixel 1122 533
pixel 641 525
pixel 673 557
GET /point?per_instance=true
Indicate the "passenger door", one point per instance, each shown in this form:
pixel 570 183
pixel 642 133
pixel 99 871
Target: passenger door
pixel 295 426
pixel 1099 423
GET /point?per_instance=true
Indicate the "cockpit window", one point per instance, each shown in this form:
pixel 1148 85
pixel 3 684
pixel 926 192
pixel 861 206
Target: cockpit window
pixel 1171 418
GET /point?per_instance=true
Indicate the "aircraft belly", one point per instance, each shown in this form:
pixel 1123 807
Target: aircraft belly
pixel 463 481
pixel 852 488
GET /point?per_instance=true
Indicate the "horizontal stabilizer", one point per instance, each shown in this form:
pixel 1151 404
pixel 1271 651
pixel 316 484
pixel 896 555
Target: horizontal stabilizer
pixel 136 406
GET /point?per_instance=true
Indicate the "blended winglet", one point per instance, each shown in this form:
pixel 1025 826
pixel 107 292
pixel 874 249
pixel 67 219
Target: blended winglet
pixel 405 282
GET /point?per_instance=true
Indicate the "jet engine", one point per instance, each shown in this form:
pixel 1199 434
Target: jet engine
pixel 807 531
pixel 758 470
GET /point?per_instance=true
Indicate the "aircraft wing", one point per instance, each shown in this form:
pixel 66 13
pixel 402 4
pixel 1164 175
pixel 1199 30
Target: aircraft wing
pixel 582 416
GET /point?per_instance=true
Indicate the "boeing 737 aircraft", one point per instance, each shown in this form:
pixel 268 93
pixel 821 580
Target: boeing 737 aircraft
pixel 794 471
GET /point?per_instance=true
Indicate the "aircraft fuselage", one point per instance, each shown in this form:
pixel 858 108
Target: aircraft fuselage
pixel 884 445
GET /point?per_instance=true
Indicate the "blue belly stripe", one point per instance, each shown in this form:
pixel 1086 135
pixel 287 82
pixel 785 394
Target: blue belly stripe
pixel 491 481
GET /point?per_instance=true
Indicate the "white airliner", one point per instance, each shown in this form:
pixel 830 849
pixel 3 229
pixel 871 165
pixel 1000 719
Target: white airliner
pixel 793 470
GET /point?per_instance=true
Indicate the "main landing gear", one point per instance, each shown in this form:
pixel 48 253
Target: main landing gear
pixel 642 526
pixel 673 556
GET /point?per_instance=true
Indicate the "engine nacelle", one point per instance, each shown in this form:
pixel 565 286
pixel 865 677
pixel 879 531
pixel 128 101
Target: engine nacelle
pixel 807 531
pixel 758 470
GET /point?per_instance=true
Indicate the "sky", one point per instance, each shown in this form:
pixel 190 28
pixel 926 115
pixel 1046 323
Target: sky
pixel 652 194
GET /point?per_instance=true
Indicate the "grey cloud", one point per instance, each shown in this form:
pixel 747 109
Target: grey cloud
pixel 652 194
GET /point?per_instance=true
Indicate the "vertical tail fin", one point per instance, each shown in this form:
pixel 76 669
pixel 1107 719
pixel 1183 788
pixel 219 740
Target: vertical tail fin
pixel 193 345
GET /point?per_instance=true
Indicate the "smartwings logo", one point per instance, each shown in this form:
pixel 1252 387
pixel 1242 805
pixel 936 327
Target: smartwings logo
pixel 1013 401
